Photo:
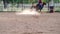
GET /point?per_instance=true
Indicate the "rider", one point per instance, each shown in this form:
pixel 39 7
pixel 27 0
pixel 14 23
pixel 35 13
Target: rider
pixel 40 4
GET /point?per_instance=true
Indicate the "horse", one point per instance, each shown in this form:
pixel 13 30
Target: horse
pixel 39 6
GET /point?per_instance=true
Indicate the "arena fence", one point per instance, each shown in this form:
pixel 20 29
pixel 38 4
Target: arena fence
pixel 18 5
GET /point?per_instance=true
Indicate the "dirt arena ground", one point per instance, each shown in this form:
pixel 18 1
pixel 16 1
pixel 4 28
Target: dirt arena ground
pixel 46 23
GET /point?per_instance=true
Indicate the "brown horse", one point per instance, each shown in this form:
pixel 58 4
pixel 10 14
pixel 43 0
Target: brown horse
pixel 37 7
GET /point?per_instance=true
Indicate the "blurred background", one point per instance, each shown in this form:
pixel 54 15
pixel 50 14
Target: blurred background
pixel 18 5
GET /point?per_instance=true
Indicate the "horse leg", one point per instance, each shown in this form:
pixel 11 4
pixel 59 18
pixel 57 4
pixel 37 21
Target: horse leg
pixel 40 10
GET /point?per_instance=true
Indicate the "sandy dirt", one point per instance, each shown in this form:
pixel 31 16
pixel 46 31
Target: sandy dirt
pixel 46 23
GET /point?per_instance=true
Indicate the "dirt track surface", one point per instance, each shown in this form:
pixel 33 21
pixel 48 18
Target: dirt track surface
pixel 46 23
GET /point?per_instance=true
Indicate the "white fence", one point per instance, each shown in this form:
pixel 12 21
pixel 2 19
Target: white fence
pixel 23 6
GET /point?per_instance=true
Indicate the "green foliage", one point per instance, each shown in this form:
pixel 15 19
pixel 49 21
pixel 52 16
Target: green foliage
pixel 57 1
pixel 30 1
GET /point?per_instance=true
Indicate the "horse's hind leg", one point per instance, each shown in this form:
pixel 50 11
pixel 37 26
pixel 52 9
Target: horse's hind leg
pixel 40 10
